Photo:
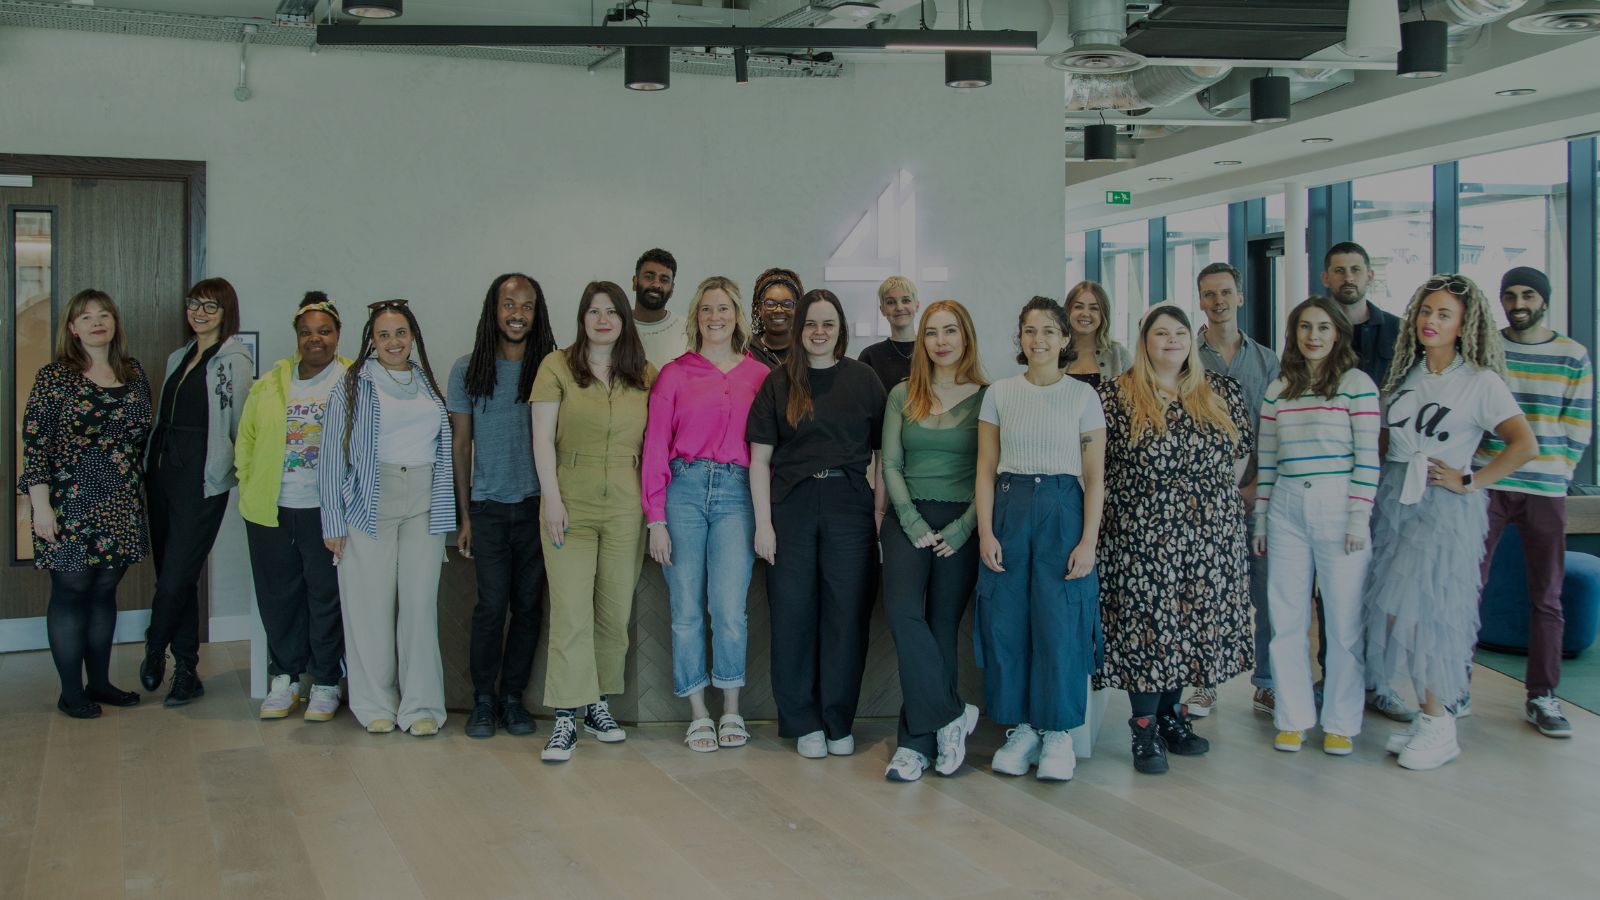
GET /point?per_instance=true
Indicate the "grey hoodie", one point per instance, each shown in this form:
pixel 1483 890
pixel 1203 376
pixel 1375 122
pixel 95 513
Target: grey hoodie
pixel 229 376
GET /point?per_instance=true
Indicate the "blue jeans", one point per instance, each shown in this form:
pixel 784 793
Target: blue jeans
pixel 712 525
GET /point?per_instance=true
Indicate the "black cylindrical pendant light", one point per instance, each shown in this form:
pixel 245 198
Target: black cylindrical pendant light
pixel 1099 142
pixel 1424 49
pixel 741 65
pixel 374 9
pixel 967 68
pixel 647 68
pixel 1269 99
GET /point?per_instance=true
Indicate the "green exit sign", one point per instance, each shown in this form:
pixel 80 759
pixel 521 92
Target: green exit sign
pixel 1119 198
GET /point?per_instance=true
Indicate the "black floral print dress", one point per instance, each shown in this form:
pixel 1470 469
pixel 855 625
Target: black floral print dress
pixel 86 442
pixel 1174 576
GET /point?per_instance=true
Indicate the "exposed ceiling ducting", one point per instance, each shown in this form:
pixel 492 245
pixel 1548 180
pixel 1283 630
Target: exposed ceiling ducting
pixel 1144 89
pixel 1098 29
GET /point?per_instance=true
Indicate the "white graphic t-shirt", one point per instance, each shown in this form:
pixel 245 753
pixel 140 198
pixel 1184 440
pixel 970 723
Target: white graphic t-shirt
pixel 1443 417
pixel 302 434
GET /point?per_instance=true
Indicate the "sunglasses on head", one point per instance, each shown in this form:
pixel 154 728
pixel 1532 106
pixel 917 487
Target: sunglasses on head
pixel 1455 284
pixel 387 304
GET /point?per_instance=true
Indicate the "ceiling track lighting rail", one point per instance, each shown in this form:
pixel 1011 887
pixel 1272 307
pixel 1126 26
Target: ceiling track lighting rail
pixel 585 36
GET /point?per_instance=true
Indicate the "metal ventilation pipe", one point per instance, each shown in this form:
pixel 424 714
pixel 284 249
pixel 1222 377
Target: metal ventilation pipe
pixel 1467 18
pixel 1097 28
pixel 1145 89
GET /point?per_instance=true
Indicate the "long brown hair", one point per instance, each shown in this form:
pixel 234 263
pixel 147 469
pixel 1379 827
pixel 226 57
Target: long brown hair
pixel 1147 415
pixel 1296 369
pixel 222 293
pixel 919 387
pixel 70 350
pixel 797 366
pixel 627 357
pixel 1102 332
pixel 352 375
pixel 1478 343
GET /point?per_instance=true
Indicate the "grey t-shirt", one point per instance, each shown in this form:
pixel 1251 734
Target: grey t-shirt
pixel 502 434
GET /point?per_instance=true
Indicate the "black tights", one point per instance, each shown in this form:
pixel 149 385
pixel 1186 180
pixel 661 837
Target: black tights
pixel 1148 704
pixel 81 620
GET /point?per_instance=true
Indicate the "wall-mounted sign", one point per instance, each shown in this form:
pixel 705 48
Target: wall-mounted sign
pixel 1119 198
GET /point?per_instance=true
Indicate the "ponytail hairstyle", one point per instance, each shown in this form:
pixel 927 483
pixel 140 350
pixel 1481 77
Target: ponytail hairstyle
pixel 352 375
pixel 798 368
pixel 627 356
pixel 1296 369
pixel 541 341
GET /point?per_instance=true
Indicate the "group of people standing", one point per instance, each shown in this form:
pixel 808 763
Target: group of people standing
pixel 1101 506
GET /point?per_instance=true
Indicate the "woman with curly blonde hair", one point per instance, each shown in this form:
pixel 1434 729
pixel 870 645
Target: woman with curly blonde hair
pixel 1444 391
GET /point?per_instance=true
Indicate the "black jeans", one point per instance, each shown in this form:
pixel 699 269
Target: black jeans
pixel 510 564
pixel 297 593
pixel 820 595
pixel 926 596
pixel 80 622
pixel 183 526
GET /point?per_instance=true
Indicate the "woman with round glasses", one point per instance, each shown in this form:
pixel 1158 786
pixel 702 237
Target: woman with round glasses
pixel 190 471
pixel 1443 393
pixel 776 294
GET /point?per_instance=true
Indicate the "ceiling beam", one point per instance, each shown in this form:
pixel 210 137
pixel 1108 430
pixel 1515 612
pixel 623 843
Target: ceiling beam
pixel 582 36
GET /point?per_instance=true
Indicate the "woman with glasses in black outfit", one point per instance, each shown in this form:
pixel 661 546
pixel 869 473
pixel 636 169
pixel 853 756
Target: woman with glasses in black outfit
pixel 776 294
pixel 189 468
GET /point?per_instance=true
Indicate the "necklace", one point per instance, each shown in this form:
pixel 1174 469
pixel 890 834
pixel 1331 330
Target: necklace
pixel 1453 365
pixel 896 347
pixel 409 387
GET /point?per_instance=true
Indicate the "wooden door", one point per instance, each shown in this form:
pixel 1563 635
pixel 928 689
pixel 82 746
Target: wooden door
pixel 128 236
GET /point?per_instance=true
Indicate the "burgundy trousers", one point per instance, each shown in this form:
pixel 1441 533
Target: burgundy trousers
pixel 1542 522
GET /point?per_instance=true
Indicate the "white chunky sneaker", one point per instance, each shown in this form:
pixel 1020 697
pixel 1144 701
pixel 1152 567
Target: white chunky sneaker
pixel 1433 745
pixel 283 698
pixel 843 746
pixel 907 765
pixel 323 704
pixel 1021 750
pixel 952 740
pixel 1399 739
pixel 812 746
pixel 1057 760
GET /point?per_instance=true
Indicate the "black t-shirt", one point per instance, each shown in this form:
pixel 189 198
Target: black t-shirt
pixel 846 426
pixel 767 356
pixel 891 359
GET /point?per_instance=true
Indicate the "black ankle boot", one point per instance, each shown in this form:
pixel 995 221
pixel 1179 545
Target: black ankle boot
pixel 186 686
pixel 1149 753
pixel 1179 737
pixel 518 721
pixel 484 718
pixel 154 667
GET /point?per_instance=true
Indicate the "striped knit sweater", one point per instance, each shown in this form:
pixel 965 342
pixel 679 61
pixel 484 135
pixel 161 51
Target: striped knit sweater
pixel 1314 437
pixel 1554 385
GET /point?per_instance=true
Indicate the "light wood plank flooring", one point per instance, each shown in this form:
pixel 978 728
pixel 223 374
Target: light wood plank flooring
pixel 208 801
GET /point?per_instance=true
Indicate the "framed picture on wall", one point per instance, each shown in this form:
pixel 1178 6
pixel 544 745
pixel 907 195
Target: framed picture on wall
pixel 252 342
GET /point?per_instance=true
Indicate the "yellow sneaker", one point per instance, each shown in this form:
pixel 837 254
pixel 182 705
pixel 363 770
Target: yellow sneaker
pixel 424 728
pixel 1337 745
pixel 380 726
pixel 1289 741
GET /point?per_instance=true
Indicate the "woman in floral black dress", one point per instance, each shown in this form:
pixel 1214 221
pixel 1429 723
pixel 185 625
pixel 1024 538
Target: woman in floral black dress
pixel 87 420
pixel 1174 582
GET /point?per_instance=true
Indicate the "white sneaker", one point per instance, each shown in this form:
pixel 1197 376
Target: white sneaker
pixel 812 746
pixel 1433 745
pixel 1399 739
pixel 843 746
pixel 907 765
pixel 1021 750
pixel 283 697
pixel 323 704
pixel 952 740
pixel 1201 702
pixel 1056 757
pixel 1389 703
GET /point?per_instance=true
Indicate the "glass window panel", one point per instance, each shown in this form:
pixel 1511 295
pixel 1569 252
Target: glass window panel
pixel 32 242
pixel 1124 271
pixel 1514 213
pixel 1275 214
pixel 1394 222
pixel 1075 260
pixel 1195 239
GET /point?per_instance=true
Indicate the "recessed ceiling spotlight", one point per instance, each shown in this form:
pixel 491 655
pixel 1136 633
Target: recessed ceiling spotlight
pixel 374 9
pixel 1316 140
pixel 1159 179
pixel 1229 162
pixel 1560 17
pixel 1516 92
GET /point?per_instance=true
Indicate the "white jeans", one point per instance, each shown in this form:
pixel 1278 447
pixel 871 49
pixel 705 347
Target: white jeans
pixel 1305 542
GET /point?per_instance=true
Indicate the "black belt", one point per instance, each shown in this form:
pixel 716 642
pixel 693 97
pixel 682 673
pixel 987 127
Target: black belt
pixel 829 473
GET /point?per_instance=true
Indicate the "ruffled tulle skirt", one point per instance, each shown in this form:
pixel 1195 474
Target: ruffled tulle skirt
pixel 1421 593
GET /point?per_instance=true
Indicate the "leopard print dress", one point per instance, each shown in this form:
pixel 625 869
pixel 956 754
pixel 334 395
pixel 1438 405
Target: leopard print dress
pixel 1174 570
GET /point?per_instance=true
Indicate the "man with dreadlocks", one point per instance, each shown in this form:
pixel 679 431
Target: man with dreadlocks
pixel 497 496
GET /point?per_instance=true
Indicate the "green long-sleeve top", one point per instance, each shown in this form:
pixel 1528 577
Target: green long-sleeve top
pixel 934 458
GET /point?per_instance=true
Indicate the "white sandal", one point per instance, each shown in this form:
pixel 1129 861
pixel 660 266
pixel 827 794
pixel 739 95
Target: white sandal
pixel 701 731
pixel 731 731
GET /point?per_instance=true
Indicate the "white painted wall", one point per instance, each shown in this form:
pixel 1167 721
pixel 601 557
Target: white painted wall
pixel 379 175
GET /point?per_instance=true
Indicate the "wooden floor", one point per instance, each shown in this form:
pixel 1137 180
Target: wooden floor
pixel 208 801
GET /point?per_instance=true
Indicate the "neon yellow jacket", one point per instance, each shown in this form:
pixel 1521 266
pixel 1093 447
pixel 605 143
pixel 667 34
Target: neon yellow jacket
pixel 259 448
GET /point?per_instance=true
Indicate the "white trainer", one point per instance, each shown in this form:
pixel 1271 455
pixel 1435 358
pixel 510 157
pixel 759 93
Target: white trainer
pixel 1057 760
pixel 1399 739
pixel 1433 745
pixel 283 697
pixel 323 703
pixel 812 746
pixel 907 765
pixel 843 746
pixel 952 740
pixel 1021 750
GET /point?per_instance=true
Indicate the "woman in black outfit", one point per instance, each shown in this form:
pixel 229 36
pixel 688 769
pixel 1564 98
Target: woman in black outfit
pixel 85 426
pixel 190 470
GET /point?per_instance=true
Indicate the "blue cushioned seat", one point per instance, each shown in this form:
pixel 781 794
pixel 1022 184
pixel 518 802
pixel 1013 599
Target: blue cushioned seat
pixel 1504 611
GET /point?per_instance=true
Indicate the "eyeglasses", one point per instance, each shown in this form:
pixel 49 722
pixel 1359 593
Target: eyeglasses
pixel 210 307
pixel 777 304
pixel 1455 284
pixel 387 304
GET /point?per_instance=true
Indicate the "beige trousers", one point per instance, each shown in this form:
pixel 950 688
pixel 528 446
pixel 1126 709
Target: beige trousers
pixel 389 592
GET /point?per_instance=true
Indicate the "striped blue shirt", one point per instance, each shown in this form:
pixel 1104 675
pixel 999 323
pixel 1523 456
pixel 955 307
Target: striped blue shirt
pixel 349 487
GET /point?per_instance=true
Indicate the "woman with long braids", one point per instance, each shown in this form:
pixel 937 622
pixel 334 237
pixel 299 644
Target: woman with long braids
pixel 590 402
pixel 497 497
pixel 189 472
pixel 776 294
pixel 279 448
pixel 1174 575
pixel 1318 465
pixel 1443 393
pixel 385 483
pixel 814 432
pixel 83 431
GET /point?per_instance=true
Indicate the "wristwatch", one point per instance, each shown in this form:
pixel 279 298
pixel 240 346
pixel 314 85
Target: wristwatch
pixel 1466 479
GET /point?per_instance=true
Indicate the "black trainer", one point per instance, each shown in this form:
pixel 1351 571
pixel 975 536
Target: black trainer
pixel 1149 752
pixel 1179 736
pixel 598 722
pixel 482 722
pixel 516 718
pixel 154 667
pixel 186 686
pixel 563 737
